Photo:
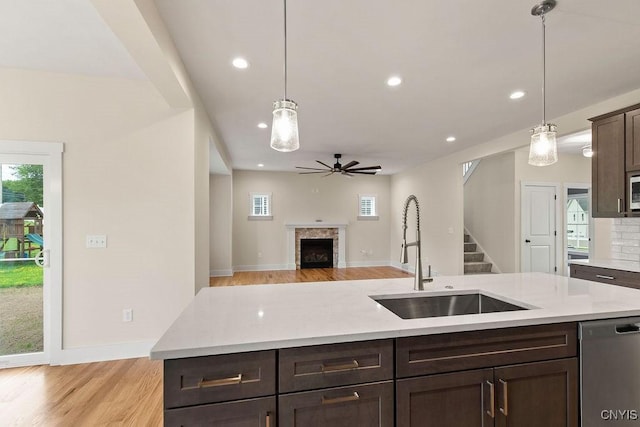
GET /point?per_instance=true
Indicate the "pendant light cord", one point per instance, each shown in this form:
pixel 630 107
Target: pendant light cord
pixel 285 50
pixel 544 69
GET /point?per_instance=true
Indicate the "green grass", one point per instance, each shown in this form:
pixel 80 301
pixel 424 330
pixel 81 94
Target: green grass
pixel 16 274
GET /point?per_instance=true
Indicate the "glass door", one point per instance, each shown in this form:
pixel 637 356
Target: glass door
pixel 23 259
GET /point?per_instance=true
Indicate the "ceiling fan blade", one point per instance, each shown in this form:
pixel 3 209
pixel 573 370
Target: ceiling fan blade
pixel 347 174
pixel 350 164
pixel 324 164
pixel 364 168
pixel 330 173
pixel 313 169
pixel 306 173
pixel 363 172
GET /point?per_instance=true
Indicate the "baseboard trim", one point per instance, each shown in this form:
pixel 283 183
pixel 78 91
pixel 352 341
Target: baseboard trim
pixel 131 350
pixel 265 267
pixel 369 264
pixel 220 273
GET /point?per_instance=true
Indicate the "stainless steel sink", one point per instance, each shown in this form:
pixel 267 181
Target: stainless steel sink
pixel 416 307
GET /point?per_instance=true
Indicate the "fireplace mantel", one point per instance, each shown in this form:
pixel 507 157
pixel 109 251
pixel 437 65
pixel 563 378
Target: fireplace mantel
pixel 291 240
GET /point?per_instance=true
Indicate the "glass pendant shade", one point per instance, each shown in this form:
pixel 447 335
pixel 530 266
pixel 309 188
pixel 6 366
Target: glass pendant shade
pixel 284 131
pixel 543 150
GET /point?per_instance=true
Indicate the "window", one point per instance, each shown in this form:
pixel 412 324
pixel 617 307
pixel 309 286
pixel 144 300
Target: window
pixel 260 207
pixel 367 209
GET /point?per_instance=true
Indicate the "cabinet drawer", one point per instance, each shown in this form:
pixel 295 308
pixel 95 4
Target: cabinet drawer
pixel 481 349
pixel 242 413
pixel 332 365
pixel 210 379
pixel 606 275
pixel 367 405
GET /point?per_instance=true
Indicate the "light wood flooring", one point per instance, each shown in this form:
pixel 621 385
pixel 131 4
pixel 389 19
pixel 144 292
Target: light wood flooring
pixel 119 393
pixel 308 275
pixel 123 392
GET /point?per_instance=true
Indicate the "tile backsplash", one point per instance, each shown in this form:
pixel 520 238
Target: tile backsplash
pixel 625 239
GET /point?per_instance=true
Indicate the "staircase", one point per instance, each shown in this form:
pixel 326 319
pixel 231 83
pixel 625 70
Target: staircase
pixel 474 262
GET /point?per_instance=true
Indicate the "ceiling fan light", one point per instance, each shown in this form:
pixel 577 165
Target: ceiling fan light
pixel 543 150
pixel 284 131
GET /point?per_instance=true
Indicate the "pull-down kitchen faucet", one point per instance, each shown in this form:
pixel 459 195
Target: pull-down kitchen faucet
pixel 418 283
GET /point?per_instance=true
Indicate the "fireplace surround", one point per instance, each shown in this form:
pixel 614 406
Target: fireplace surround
pixel 316 230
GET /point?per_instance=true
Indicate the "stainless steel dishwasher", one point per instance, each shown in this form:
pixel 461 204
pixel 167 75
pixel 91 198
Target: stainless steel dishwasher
pixel 610 372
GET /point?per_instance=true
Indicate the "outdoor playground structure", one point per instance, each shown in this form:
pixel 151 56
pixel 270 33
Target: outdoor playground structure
pixel 20 230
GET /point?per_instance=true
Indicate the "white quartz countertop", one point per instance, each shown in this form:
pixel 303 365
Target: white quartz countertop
pixel 609 263
pixel 259 317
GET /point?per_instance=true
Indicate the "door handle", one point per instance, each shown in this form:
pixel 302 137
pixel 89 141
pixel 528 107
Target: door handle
pixel 527 241
pixel 504 407
pixel 492 401
pixel 42 258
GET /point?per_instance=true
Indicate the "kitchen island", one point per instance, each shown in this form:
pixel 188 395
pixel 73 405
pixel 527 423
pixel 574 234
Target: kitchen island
pixel 306 353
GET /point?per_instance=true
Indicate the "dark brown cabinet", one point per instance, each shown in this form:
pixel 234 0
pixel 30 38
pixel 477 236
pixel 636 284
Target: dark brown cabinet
pixel 629 279
pixel 608 167
pixel 455 392
pixel 524 376
pixel 616 148
pixel 532 394
pixel 367 405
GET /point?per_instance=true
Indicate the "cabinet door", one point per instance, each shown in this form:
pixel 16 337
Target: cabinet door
pixel 447 400
pixel 633 140
pixel 242 413
pixel 537 394
pixel 608 167
pixel 368 405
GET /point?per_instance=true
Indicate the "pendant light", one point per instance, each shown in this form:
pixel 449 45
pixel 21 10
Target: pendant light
pixel 543 150
pixel 284 131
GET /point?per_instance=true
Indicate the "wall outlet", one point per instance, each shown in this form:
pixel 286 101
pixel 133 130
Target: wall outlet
pixel 96 241
pixel 127 315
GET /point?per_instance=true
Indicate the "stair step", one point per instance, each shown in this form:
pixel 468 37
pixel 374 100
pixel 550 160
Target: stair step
pixel 467 238
pixel 470 247
pixel 477 267
pixel 473 256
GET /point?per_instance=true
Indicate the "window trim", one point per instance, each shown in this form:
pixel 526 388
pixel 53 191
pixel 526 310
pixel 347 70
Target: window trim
pixel 373 217
pixel 269 215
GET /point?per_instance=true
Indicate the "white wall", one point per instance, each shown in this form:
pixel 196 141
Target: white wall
pixel 439 184
pixel 570 169
pixel 221 224
pixel 489 209
pixel 307 198
pixel 128 173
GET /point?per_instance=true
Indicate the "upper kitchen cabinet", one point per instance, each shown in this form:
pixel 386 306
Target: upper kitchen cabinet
pixel 616 147
pixel 633 139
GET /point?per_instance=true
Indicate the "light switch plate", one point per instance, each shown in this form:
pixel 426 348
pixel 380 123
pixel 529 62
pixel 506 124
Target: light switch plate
pixel 96 241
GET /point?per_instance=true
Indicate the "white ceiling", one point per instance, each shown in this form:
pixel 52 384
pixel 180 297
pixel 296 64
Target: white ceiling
pixel 459 61
pixel 66 36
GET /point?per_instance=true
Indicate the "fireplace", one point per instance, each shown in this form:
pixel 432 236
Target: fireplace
pixel 316 253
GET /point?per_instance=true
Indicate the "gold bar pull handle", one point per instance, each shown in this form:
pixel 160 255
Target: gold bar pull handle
pixel 505 398
pixel 350 398
pixel 340 367
pixel 267 420
pixel 492 399
pixel 204 383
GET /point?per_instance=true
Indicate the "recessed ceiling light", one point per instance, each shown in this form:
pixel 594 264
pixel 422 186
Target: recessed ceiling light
pixel 260 165
pixel 517 94
pixel 394 81
pixel 451 138
pixel 262 125
pixel 240 63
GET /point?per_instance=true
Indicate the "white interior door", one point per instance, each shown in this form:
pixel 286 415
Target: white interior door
pixel 30 252
pixel 538 225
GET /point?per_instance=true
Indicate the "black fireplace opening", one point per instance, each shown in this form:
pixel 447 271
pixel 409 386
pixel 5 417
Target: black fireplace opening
pixel 316 253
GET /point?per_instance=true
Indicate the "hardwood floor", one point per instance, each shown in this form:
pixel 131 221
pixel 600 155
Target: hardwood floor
pixel 124 392
pixel 119 393
pixel 308 275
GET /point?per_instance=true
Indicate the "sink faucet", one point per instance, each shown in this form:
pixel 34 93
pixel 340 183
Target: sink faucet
pixel 419 281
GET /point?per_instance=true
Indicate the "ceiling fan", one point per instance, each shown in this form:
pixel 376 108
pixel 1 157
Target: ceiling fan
pixel 349 169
